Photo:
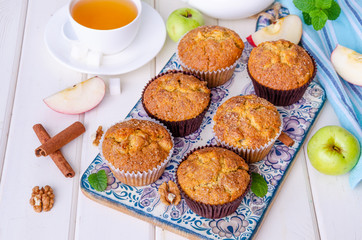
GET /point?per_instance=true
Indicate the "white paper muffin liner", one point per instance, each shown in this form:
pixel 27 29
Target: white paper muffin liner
pixel 249 154
pixel 138 178
pixel 213 78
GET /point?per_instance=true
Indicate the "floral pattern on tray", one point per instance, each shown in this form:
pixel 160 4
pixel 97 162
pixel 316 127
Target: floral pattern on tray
pixel 242 224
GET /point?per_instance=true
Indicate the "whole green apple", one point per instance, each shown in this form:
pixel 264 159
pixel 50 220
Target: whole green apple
pixel 333 150
pixel 181 21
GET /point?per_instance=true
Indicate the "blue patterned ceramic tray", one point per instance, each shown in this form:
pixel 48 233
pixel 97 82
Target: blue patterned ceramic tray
pixel 144 202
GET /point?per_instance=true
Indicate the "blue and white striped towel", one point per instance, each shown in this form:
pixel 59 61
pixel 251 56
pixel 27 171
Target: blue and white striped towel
pixel 345 98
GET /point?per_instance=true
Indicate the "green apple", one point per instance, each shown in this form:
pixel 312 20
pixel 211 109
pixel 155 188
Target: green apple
pixel 333 150
pixel 181 21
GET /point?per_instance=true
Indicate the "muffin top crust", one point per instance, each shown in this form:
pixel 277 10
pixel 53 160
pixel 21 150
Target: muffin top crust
pixel 176 96
pixel 213 175
pixel 136 145
pixel 209 48
pixel 246 122
pixel 280 65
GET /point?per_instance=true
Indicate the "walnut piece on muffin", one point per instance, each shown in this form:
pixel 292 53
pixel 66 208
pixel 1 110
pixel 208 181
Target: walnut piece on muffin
pixel 176 96
pixel 246 122
pixel 136 145
pixel 210 48
pixel 280 65
pixel 213 175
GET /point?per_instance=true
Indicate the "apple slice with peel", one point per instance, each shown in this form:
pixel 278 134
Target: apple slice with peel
pixel 288 28
pixel 348 64
pixel 79 98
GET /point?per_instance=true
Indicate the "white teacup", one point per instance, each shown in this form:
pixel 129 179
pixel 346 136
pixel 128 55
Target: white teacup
pixel 105 41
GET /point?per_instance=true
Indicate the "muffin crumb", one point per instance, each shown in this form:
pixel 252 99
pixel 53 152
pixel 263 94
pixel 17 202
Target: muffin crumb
pixel 98 136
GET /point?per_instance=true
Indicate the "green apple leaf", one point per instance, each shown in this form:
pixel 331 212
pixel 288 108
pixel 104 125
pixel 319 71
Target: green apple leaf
pixel 323 4
pixel 307 18
pixel 304 5
pixel 334 11
pixel 258 185
pixel 319 19
pixel 98 180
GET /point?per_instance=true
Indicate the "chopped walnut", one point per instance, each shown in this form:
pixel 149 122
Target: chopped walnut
pixel 98 136
pixel 169 193
pixel 42 199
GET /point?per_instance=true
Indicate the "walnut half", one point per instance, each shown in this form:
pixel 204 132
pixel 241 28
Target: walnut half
pixel 169 193
pixel 42 199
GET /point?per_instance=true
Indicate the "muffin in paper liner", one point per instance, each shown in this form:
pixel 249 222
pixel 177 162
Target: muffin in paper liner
pixel 213 78
pixel 250 155
pixel 138 178
pixel 209 210
pixel 282 97
pixel 178 128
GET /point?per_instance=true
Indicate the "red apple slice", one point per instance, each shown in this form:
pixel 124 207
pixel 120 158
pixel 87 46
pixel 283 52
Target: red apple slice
pixel 348 64
pixel 80 98
pixel 288 28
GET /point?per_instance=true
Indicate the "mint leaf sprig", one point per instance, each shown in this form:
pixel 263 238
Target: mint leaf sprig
pixel 258 185
pixel 98 180
pixel 317 12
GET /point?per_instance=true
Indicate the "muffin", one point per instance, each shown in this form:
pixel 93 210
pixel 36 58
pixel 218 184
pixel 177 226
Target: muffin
pixel 213 181
pixel 137 151
pixel 177 99
pixel 211 52
pixel 280 71
pixel 248 124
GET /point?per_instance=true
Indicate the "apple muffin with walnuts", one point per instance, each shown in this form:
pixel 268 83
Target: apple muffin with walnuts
pixel 280 71
pixel 210 52
pixel 137 151
pixel 213 181
pixel 249 124
pixel 177 99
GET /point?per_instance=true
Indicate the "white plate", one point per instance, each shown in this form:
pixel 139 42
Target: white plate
pixel 147 44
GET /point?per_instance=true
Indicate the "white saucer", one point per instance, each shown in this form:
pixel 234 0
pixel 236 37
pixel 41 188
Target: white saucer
pixel 148 42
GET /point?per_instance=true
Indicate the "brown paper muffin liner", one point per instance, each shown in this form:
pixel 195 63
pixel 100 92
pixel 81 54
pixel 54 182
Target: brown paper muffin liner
pixel 139 178
pixel 178 128
pixel 251 155
pixel 282 97
pixel 208 210
pixel 213 78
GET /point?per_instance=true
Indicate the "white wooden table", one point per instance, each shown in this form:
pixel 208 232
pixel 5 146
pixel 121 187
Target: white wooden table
pixel 309 205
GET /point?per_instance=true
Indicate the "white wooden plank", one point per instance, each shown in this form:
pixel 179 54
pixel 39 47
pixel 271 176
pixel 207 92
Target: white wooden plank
pixel 338 207
pixel 12 20
pixel 112 109
pixel 162 234
pixel 291 215
pixel 39 76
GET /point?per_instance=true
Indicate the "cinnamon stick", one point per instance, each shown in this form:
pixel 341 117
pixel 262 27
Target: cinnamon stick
pixel 57 156
pixel 61 139
pixel 285 139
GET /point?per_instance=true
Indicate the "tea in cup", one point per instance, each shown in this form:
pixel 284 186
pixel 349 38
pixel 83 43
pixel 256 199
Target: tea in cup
pixel 105 26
